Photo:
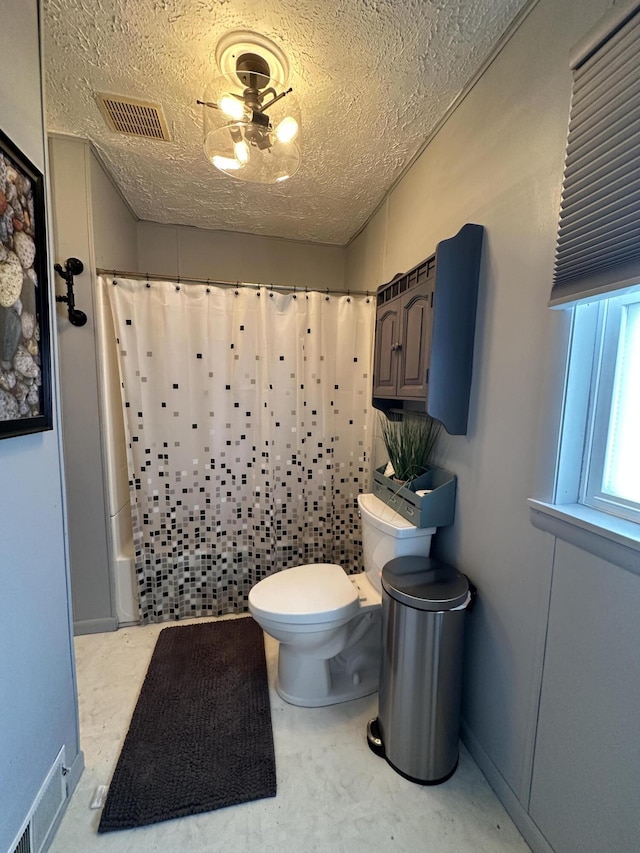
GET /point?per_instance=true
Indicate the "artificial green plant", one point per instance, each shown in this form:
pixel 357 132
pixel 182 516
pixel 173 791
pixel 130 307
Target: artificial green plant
pixel 410 443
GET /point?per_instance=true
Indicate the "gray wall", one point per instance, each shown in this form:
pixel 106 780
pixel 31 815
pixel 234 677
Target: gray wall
pixel 93 224
pixel 38 713
pixel 498 162
pixel 176 250
pixel 550 698
pixel 586 775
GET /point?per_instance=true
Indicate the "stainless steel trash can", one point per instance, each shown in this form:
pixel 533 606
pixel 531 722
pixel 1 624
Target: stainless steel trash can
pixel 424 604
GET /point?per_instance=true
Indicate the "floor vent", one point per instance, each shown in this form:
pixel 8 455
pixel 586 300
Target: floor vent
pixel 24 845
pixel 45 811
pixel 133 117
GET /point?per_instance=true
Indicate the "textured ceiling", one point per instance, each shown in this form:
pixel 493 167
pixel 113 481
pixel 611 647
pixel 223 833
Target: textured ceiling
pixel 373 78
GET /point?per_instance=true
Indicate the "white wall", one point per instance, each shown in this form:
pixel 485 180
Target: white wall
pixel 38 713
pixel 192 252
pixel 498 162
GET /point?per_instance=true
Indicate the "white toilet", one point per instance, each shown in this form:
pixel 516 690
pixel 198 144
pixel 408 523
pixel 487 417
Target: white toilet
pixel 328 623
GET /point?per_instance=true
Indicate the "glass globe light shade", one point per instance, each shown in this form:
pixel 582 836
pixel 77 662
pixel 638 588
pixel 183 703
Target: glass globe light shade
pixel 288 129
pixel 246 144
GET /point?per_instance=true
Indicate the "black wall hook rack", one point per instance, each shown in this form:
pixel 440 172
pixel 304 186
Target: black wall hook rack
pixel 72 266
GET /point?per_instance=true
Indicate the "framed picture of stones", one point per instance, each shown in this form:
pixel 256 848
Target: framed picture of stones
pixel 25 378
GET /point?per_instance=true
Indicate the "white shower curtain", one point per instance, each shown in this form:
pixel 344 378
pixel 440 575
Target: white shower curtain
pixel 248 417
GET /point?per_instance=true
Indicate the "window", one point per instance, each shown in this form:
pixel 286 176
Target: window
pixel 597 271
pixel 611 470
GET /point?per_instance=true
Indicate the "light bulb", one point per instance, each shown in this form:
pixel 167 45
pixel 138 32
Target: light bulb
pixel 287 129
pixel 233 107
pixel 241 150
pixel 226 164
pixel 282 178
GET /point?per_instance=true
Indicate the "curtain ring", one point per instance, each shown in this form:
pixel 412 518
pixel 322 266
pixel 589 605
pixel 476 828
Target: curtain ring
pixel 327 296
pixel 306 293
pixel 295 295
pixel 271 291
pixel 148 284
pixel 348 295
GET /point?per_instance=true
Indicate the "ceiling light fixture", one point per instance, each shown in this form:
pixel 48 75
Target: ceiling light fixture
pixel 251 121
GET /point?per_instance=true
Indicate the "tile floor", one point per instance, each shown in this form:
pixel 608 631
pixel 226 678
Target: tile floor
pixel 334 794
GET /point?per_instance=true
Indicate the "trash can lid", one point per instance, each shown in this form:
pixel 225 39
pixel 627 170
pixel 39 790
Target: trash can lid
pixel 425 583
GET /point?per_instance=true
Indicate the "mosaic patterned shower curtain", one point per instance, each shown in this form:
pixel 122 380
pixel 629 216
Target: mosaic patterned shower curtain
pixel 248 417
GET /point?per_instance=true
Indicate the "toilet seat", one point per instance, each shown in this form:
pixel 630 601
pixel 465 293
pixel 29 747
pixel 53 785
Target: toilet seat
pixel 306 595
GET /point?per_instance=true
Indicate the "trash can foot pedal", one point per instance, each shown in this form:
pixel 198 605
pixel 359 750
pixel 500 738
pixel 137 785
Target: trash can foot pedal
pixel 373 737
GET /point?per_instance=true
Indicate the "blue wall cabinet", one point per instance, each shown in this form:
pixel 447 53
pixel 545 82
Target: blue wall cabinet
pixel 425 329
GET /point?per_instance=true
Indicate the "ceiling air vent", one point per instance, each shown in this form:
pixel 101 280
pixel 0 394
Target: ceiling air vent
pixel 137 118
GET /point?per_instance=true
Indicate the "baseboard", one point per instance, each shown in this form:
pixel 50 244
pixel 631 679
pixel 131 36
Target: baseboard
pixel 516 811
pixel 95 626
pixel 72 777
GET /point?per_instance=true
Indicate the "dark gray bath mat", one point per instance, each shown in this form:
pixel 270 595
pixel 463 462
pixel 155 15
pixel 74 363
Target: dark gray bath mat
pixel 200 737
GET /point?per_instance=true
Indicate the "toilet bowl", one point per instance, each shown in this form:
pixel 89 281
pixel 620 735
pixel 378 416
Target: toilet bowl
pixel 328 623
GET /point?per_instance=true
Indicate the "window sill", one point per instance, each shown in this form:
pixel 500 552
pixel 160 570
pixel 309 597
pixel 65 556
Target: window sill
pixel 613 539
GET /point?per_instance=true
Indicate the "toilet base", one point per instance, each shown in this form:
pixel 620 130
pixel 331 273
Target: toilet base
pixel 341 689
pixel 312 682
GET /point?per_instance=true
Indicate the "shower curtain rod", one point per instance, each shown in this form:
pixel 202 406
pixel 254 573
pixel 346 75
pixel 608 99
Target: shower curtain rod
pixel 285 288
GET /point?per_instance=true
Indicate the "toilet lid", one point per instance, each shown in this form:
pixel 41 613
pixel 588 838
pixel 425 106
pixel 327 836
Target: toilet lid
pixel 318 592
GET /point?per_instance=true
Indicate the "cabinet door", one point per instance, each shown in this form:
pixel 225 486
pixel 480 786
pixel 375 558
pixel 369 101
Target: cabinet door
pixel 385 362
pixel 416 322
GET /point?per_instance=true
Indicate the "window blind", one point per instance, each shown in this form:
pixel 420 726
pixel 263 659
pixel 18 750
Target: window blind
pixel 598 247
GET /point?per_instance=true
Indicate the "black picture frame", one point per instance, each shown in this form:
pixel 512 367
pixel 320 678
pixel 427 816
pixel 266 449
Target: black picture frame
pixel 25 353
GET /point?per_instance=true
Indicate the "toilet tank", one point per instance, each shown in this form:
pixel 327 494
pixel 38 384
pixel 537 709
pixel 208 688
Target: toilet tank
pixel 386 534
